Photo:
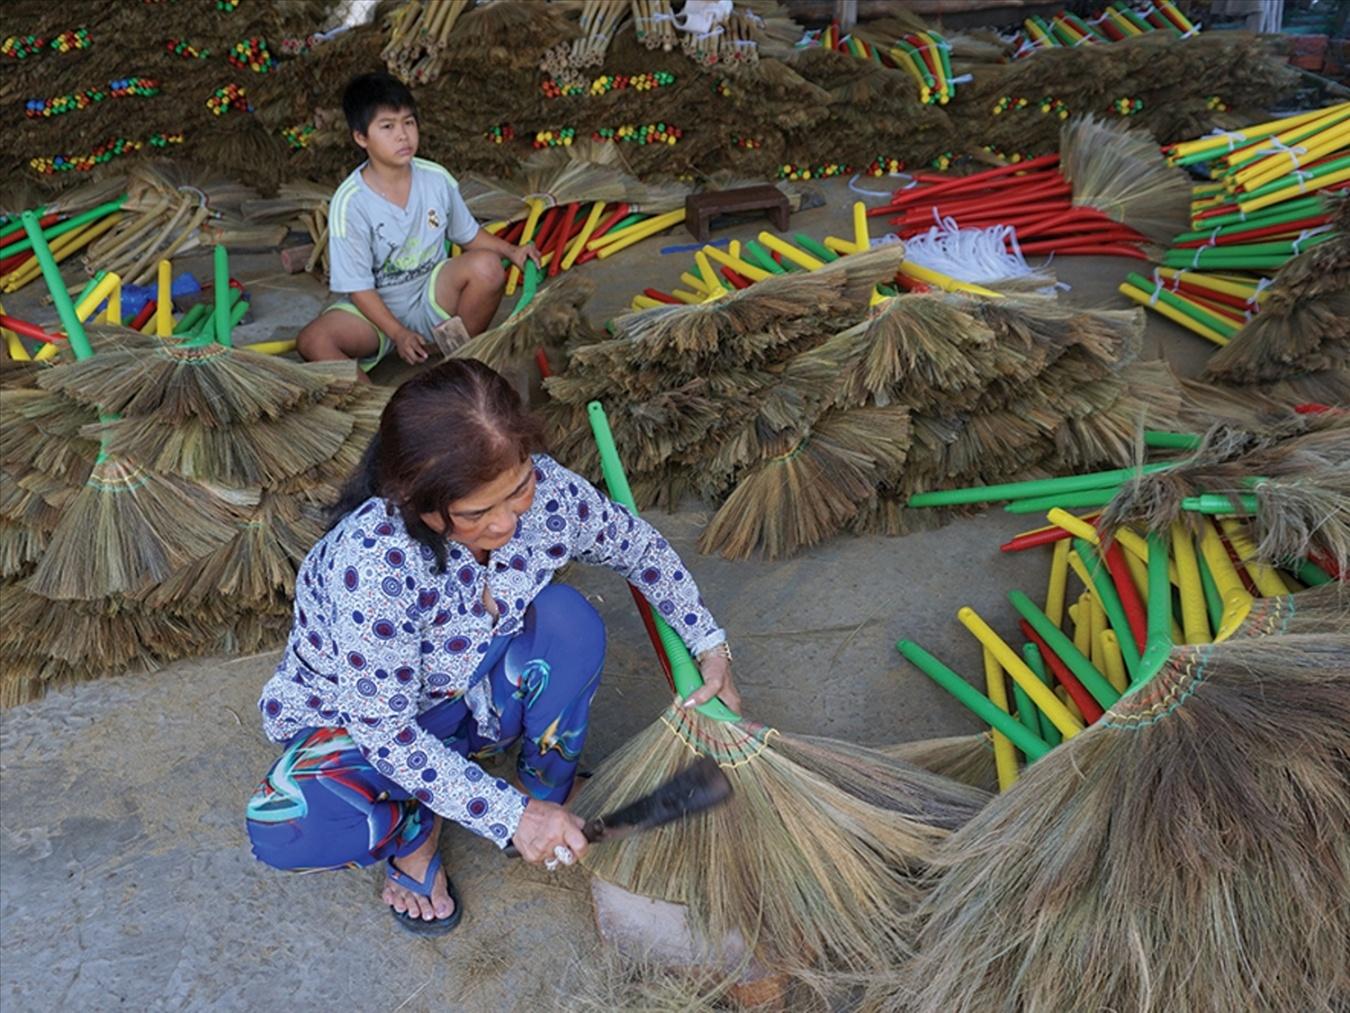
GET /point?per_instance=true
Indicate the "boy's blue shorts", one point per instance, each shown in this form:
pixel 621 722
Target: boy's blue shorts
pixel 422 316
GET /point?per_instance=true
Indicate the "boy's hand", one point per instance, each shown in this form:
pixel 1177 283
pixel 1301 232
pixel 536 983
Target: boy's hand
pixel 410 346
pixel 523 253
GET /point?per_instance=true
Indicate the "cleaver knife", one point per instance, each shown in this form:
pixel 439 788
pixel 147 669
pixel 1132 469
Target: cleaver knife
pixel 701 786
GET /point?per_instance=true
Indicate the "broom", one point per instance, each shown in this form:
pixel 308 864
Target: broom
pixel 1083 877
pixel 815 853
pixel 544 322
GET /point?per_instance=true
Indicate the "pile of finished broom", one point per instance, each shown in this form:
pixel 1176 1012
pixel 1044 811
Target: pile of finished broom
pixel 158 494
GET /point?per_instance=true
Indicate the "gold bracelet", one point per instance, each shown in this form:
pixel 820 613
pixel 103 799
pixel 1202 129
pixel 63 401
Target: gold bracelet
pixel 723 648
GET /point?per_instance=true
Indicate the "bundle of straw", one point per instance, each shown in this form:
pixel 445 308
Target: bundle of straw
pixel 654 22
pixel 419 34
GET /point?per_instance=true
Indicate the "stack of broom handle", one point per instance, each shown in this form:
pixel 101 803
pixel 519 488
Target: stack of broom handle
pixel 683 669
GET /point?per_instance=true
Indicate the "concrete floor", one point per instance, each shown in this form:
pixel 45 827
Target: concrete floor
pixel 125 876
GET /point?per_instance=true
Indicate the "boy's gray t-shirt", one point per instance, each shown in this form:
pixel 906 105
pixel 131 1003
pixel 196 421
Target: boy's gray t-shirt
pixel 374 243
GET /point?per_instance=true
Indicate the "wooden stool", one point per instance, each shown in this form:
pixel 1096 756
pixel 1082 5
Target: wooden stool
pixel 700 209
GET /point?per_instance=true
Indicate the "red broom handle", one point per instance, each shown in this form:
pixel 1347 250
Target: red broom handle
pixel 45 222
pixel 1194 291
pixel 1007 193
pixel 1046 536
pixel 543 234
pixel 10 263
pixel 659 296
pixel 1130 602
pixel 138 321
pixel 1107 250
pixel 513 231
pixel 980 219
pixel 1239 238
pixel 618 215
pixel 29 330
pixel 1218 309
pixel 1090 708
pixel 734 278
pixel 901 198
pixel 1045 199
pixel 911 284
pixel 564 234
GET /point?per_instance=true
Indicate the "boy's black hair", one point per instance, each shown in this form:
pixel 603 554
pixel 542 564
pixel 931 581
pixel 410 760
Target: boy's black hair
pixel 367 94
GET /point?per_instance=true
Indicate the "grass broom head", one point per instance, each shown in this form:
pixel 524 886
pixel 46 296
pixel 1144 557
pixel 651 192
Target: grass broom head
pixel 774 418
pixel 785 308
pixel 810 861
pixel 216 385
pixel 1123 175
pixel 1189 851
pixel 553 319
pixel 811 491
pixel 127 528
pixel 39 432
pixel 1299 471
pixel 917 344
pixel 1304 325
pixel 255 569
pixel 966 759
pixel 587 171
pixel 263 452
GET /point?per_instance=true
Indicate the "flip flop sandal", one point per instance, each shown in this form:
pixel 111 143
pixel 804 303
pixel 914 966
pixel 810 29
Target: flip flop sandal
pixel 423 888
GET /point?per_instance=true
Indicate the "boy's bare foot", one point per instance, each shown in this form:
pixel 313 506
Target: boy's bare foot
pixel 439 904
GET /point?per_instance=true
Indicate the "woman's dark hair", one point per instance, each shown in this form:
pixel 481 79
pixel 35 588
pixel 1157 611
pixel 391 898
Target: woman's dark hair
pixel 367 94
pixel 446 432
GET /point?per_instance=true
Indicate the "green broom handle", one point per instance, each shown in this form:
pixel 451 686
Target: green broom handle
pixel 1213 600
pixel 757 255
pixel 528 287
pixel 1026 711
pixel 1093 681
pixel 61 228
pixel 1033 487
pixel 1036 663
pixel 1032 746
pixel 1064 500
pixel 1159 644
pixel 1110 603
pixel 1310 573
pixel 1218 503
pixel 682 666
pixel 51 274
pixel 814 247
pixel 1162 440
pixel 220 258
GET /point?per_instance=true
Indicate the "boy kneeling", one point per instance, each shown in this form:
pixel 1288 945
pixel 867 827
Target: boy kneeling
pixel 388 223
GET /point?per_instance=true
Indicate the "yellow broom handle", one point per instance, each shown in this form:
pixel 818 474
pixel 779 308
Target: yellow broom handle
pixel 1040 694
pixel 1005 759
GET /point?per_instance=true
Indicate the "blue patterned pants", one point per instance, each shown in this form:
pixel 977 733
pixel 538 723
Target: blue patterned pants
pixel 323 806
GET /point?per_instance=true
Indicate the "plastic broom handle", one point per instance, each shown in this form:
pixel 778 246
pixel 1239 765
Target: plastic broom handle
pixel 51 274
pixel 1032 746
pixel 682 666
pixel 1033 487
pixel 220 260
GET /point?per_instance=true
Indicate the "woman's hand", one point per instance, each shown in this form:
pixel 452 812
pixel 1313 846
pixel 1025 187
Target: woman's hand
pixel 523 253
pixel 715 666
pixel 546 827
